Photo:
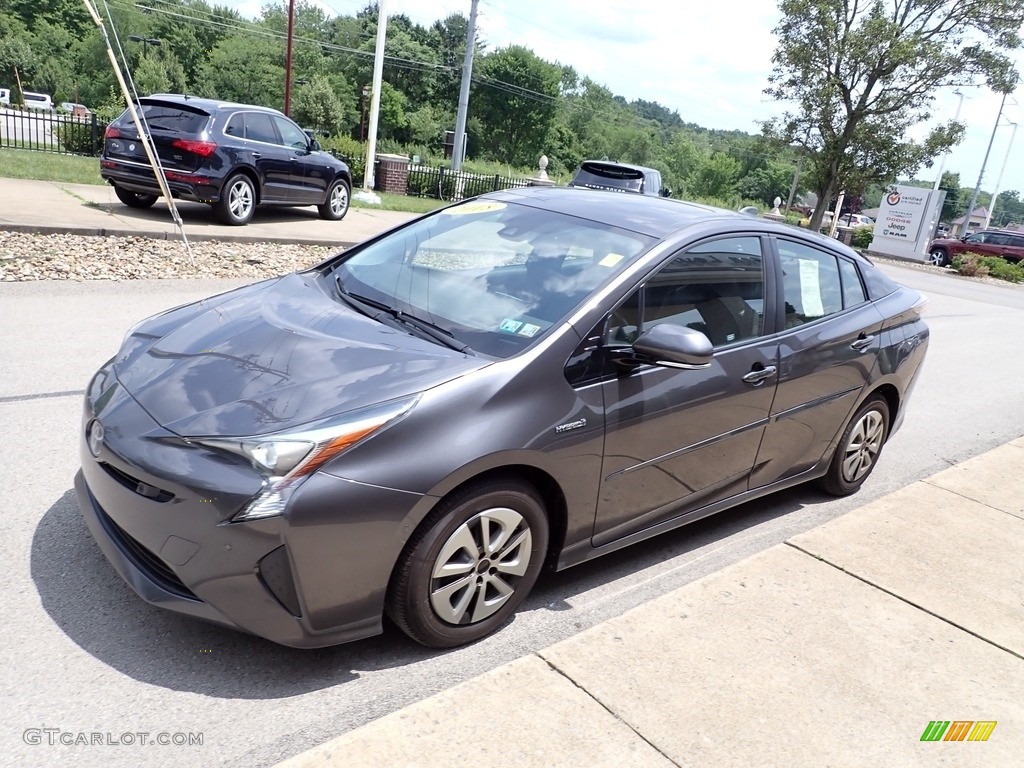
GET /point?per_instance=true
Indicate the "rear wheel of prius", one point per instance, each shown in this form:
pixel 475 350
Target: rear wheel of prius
pixel 337 202
pixel 470 564
pixel 858 449
pixel 938 257
pixel 237 201
pixel 134 199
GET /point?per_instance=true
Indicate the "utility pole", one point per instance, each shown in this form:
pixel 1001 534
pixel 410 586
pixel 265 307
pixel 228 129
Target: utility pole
pixel 999 178
pixel 378 76
pixel 942 159
pixel 459 148
pixel 288 59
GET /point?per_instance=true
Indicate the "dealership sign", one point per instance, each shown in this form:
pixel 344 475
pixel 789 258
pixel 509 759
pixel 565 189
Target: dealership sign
pixel 906 220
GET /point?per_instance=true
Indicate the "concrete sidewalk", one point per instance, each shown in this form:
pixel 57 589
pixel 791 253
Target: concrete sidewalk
pixel 88 209
pixel 837 648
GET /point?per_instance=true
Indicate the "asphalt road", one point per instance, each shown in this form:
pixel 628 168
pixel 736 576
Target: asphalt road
pixel 82 654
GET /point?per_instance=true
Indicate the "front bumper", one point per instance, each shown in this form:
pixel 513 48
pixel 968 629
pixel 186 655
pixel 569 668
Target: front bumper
pixel 160 512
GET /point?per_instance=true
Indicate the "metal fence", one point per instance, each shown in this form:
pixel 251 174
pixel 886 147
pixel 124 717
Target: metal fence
pixel 51 131
pixel 447 184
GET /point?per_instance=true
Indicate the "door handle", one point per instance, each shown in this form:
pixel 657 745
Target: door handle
pixel 758 377
pixel 863 342
pixel 257 155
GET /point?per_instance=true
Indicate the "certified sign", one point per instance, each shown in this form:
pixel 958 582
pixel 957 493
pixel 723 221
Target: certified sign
pixel 902 213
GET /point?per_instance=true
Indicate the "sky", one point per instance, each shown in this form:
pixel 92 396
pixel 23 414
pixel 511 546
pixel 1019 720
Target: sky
pixel 709 61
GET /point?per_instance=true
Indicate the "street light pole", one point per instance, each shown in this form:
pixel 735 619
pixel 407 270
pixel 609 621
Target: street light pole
pixel 977 187
pixel 288 59
pixel 942 159
pixel 146 41
pixel 999 178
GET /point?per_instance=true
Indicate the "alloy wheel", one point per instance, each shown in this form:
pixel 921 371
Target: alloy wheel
pixel 240 200
pixel 478 568
pixel 339 199
pixel 863 446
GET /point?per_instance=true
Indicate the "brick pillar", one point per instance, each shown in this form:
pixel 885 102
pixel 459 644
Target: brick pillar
pixel 392 174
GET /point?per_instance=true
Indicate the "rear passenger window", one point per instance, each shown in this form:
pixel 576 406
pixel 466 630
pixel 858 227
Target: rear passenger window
pixel 810 282
pixel 853 291
pixel 258 127
pixel 235 126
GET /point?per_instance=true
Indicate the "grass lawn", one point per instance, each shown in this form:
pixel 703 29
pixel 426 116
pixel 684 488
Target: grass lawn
pixel 50 166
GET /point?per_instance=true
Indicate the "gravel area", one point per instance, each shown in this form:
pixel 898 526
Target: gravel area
pixel 25 257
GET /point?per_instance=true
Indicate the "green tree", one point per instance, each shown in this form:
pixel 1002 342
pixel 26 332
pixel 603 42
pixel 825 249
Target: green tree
pixel 716 176
pixel 861 74
pixel 952 206
pixel 247 69
pixel 516 98
pixel 316 105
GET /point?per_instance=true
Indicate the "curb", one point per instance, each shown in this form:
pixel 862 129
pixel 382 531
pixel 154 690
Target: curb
pixel 34 229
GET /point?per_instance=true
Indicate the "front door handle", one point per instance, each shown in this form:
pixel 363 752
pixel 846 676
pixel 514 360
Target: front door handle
pixel 257 155
pixel 758 376
pixel 863 342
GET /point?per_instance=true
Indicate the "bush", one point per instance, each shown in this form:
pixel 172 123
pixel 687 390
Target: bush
pixel 77 138
pixel 970 265
pixel 351 151
pixel 862 237
pixel 1003 270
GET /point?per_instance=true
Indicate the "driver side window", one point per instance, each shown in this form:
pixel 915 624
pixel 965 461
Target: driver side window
pixel 715 287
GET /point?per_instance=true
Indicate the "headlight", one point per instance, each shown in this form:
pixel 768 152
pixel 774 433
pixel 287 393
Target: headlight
pixel 288 458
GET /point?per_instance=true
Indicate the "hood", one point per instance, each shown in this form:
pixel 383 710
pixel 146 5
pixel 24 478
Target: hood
pixel 275 357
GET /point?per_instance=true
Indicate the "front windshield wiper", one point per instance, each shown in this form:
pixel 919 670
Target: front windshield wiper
pixel 365 305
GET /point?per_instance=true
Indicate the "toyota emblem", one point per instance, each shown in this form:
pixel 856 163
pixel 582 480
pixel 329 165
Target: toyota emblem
pixel 94 435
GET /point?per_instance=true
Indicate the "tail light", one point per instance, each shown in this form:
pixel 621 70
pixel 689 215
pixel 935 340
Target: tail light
pixel 111 133
pixel 201 148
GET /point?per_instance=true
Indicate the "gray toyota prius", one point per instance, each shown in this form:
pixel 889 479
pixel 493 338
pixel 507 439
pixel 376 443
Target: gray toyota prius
pixel 417 426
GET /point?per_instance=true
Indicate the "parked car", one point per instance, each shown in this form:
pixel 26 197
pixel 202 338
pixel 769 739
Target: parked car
pixel 534 377
pixel 231 156
pixel 619 177
pixel 38 101
pixel 989 242
pixel 75 110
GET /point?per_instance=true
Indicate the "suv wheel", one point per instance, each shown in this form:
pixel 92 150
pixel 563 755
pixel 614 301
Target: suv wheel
pixel 134 199
pixel 237 201
pixel 938 257
pixel 336 206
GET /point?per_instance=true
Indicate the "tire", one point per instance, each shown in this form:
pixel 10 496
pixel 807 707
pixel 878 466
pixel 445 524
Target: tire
pixel 134 199
pixel 237 201
pixel 938 257
pixel 337 203
pixel 479 593
pixel 858 449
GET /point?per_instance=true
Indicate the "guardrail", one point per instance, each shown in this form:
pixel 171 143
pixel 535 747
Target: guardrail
pixel 51 131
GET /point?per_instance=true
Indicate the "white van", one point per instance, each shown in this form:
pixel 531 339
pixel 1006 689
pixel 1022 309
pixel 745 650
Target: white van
pixel 38 101
pixel 5 96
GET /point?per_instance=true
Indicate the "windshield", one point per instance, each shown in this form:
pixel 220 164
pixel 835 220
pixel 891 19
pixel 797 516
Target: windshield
pixel 494 275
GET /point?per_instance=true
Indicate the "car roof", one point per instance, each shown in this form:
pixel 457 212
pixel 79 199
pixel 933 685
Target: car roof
pixel 207 105
pixel 644 214
pixel 656 217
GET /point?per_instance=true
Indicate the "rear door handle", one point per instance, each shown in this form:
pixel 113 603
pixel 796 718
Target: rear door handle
pixel 257 155
pixel 863 342
pixel 758 376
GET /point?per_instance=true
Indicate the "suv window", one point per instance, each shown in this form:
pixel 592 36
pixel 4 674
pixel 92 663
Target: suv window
pixel 1016 241
pixel 609 176
pixel 163 117
pixel 997 238
pixel 291 135
pixel 716 288
pixel 258 127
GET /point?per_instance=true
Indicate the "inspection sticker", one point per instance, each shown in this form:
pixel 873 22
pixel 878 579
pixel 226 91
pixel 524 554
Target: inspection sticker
pixel 510 326
pixel 529 330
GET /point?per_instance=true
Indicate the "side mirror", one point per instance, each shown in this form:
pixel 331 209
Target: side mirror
pixel 665 192
pixel 675 346
pixel 314 145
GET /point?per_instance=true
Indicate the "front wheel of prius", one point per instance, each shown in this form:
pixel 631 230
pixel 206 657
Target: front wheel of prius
pixel 470 564
pixel 858 449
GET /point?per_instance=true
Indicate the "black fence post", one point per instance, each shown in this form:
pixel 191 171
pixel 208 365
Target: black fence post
pixel 497 183
pixel 440 183
pixel 93 149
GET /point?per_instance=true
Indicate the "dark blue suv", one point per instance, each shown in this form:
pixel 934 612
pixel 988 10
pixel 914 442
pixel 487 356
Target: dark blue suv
pixel 231 156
